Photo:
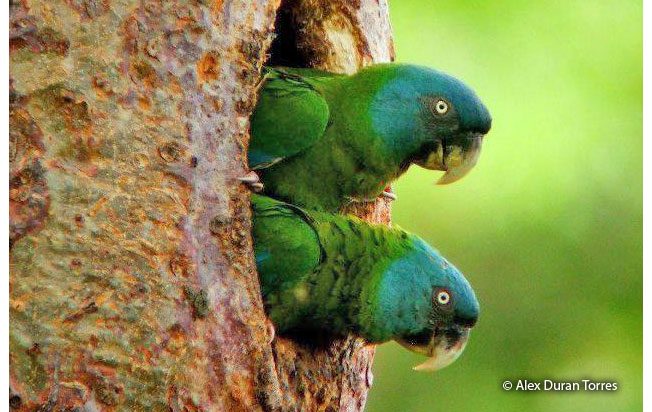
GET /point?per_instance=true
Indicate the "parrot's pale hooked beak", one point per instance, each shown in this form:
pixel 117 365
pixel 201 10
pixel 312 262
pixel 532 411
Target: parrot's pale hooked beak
pixel 456 160
pixel 459 160
pixel 443 349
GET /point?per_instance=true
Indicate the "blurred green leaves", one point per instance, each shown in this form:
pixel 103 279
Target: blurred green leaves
pixel 548 226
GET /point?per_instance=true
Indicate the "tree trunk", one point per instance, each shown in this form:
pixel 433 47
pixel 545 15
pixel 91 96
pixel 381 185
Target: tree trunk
pixel 132 279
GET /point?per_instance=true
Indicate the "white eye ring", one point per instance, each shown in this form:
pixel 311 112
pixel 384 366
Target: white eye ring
pixel 441 107
pixel 443 298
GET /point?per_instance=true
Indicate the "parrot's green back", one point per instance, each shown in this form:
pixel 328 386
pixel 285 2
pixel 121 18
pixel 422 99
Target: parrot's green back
pixel 291 116
pixel 287 247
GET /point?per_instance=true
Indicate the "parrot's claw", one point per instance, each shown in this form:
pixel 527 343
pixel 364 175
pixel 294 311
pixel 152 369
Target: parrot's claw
pixel 357 200
pixel 385 193
pixel 252 180
pixel 271 331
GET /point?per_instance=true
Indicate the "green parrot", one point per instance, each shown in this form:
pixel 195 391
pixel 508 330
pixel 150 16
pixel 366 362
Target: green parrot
pixel 323 272
pixel 321 140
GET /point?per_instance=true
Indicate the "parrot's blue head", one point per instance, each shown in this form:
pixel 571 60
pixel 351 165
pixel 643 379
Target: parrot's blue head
pixel 428 304
pixel 441 115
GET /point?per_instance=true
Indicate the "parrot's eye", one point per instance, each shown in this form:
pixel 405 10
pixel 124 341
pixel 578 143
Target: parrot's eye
pixel 443 297
pixel 441 107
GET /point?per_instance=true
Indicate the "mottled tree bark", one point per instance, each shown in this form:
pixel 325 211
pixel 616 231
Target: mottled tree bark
pixel 132 279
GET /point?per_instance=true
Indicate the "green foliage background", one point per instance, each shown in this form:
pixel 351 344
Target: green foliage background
pixel 548 226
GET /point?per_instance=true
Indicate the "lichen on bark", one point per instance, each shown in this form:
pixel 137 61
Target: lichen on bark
pixel 132 279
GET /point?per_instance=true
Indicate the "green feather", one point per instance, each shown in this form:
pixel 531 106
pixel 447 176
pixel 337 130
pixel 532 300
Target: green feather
pixel 305 113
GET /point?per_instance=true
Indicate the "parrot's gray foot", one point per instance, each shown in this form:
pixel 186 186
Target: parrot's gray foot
pixel 388 195
pixel 252 181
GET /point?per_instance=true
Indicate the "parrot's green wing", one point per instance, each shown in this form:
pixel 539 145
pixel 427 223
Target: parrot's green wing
pixel 291 116
pixel 287 245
